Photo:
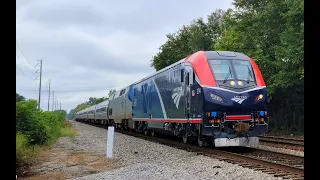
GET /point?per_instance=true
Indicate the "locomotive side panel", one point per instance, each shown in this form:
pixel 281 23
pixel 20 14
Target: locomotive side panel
pixel 172 92
pixel 146 103
pixel 114 105
pixel 127 109
pixel 120 107
pixel 160 98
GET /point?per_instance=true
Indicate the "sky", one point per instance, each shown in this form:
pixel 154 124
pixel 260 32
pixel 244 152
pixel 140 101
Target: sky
pixel 88 47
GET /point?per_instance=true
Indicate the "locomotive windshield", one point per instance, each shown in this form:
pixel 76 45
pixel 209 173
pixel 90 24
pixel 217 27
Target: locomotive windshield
pixel 231 69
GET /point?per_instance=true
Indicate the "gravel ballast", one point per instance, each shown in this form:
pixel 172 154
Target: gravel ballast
pixel 280 150
pixel 143 159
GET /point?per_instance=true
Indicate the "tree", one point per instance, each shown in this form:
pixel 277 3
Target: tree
pixel 111 92
pixel 92 100
pixel 19 97
pixel 71 114
pixel 81 107
pixel 198 36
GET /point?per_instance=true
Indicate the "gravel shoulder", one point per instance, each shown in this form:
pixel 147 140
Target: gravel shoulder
pixel 83 158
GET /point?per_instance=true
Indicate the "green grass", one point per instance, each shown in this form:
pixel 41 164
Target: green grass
pixel 26 154
pixel 68 130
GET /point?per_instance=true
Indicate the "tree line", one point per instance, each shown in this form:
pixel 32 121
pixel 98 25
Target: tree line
pixel 269 31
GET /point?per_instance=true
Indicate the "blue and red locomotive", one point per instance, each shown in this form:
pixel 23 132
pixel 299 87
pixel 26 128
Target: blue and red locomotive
pixel 215 97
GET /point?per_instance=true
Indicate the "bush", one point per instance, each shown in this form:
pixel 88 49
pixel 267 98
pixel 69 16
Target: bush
pixel 35 128
pixel 24 153
pixel 39 127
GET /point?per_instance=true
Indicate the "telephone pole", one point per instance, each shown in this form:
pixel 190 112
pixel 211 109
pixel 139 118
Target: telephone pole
pixel 55 104
pixel 40 81
pixel 60 106
pixel 49 96
pixel 52 100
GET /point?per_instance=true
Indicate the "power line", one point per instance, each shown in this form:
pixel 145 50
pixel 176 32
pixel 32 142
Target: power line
pixel 21 52
pixel 26 74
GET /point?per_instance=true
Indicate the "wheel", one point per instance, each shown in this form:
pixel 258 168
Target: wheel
pixel 185 138
pixel 200 142
pixel 152 133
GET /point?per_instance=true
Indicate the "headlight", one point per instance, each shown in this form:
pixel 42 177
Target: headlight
pixel 215 97
pixel 260 97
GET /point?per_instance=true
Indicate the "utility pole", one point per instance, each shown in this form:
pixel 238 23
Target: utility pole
pixel 40 81
pixel 49 96
pixel 55 105
pixel 52 100
pixel 60 106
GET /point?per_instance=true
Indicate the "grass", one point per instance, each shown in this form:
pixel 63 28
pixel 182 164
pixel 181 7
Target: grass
pixel 68 130
pixel 27 154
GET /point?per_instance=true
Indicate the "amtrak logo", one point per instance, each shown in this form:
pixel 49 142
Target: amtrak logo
pixel 177 93
pixel 239 99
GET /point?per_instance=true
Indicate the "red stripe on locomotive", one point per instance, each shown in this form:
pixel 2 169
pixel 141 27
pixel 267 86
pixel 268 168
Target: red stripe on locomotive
pixel 258 75
pixel 201 68
pixel 192 121
pixel 238 117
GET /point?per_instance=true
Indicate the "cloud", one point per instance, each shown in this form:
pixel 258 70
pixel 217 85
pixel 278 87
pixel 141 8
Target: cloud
pixel 91 46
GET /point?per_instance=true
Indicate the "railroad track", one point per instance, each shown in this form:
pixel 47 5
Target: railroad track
pixel 277 157
pixel 291 143
pixel 277 164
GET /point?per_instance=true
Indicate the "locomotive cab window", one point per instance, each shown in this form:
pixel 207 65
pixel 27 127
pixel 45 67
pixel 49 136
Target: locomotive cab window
pixel 231 69
pixel 221 69
pixel 188 81
pixel 182 75
pixel 243 70
pixel 193 78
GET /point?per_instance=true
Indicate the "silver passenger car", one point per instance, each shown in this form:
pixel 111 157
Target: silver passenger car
pixel 101 112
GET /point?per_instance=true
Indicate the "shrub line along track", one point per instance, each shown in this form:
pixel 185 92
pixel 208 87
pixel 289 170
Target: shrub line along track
pixel 244 160
pixel 282 140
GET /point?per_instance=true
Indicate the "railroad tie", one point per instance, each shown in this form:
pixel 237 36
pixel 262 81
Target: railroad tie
pixel 291 177
pixel 259 168
pixel 280 174
pixel 246 165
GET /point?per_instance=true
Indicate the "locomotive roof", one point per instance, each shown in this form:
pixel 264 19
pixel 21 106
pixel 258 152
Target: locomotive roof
pixel 209 55
pixel 102 104
pixel 225 55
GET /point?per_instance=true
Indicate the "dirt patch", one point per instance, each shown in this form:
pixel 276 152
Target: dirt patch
pixel 63 163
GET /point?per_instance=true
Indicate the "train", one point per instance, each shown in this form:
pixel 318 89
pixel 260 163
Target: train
pixel 217 98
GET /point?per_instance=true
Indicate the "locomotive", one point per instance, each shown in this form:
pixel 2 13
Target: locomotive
pixel 217 98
